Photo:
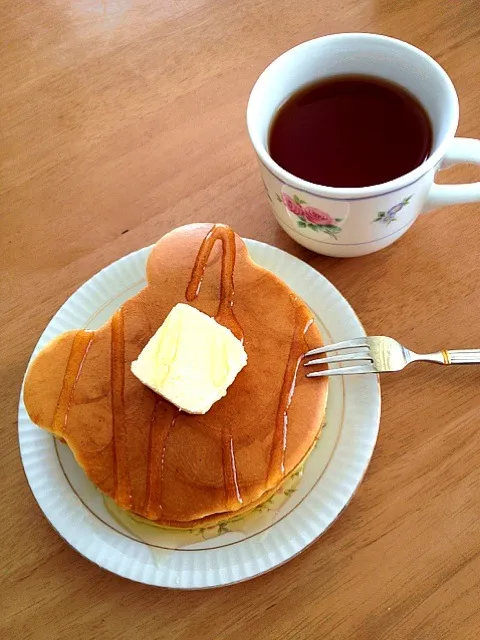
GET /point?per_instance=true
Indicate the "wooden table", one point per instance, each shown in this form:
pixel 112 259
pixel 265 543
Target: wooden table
pixel 123 119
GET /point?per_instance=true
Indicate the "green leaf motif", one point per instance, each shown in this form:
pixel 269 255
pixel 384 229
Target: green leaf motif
pixel 278 197
pixel 222 528
pixel 338 219
pixel 331 231
pixel 380 216
pixel 298 200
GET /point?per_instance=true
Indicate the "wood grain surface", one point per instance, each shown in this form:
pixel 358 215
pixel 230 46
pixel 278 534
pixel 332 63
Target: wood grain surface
pixel 123 119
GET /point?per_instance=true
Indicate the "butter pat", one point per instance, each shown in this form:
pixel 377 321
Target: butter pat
pixel 191 360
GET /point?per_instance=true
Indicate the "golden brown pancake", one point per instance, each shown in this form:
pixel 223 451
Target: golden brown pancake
pixel 173 468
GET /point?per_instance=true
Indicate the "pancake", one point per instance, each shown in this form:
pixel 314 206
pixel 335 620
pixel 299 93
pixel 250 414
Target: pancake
pixel 170 467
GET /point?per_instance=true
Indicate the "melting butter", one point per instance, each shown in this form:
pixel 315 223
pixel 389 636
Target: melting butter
pixel 191 360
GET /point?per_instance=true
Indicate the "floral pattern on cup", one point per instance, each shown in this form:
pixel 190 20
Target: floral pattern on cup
pixel 387 217
pixel 310 217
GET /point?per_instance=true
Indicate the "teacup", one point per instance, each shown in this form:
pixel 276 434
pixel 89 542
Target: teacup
pixel 348 222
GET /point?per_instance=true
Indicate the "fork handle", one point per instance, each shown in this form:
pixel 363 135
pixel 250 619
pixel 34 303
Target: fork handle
pixel 462 356
pixel 451 356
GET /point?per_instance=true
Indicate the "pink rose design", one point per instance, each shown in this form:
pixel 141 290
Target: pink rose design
pixel 291 205
pixel 315 216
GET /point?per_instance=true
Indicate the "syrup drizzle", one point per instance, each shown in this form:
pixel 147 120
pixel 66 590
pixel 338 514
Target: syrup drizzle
pixel 303 320
pixel 78 353
pixel 226 317
pixel 119 434
pixel 148 487
pixel 230 480
pixel 225 313
pixel 159 432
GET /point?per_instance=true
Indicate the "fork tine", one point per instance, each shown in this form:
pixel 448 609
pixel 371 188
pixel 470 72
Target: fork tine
pixel 346 344
pixel 342 371
pixel 344 357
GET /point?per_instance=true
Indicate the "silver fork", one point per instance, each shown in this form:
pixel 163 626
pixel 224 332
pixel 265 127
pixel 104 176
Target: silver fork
pixel 381 354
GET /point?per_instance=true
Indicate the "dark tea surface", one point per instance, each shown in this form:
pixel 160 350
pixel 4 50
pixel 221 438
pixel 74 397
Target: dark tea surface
pixel 350 131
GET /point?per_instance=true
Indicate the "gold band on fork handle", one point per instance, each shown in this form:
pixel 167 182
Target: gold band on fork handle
pixel 446 356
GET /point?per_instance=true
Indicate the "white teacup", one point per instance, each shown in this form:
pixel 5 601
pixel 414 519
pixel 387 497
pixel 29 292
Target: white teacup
pixel 347 222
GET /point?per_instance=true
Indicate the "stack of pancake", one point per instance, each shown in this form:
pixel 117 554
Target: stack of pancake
pixel 155 461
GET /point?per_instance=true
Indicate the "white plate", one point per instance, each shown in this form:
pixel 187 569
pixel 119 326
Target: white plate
pixel 256 544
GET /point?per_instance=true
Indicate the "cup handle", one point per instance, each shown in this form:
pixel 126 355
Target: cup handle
pixel 461 150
